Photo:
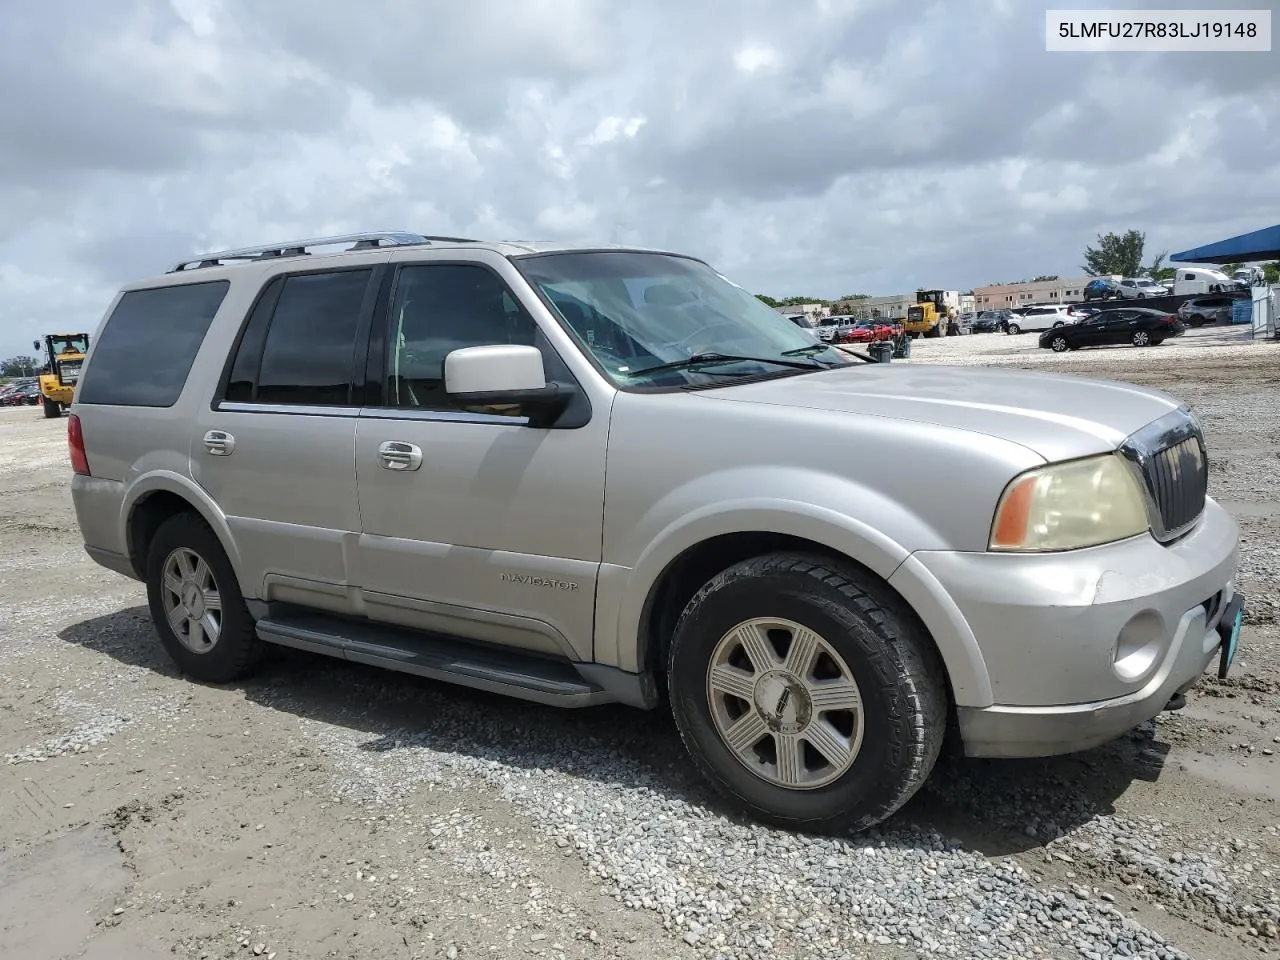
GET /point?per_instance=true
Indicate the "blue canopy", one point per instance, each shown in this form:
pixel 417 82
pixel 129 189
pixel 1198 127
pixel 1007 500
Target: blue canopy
pixel 1260 245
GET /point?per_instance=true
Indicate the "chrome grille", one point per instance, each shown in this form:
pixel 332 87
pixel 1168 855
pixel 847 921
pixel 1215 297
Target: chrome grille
pixel 1169 458
pixel 1178 482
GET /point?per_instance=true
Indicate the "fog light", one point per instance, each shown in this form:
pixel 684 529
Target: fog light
pixel 1138 646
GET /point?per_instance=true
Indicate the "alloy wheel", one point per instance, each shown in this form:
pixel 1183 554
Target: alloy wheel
pixel 192 603
pixel 785 703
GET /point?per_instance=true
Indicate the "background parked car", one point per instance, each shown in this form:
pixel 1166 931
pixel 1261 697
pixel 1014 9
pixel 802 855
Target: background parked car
pixel 832 329
pixel 1139 288
pixel 1079 311
pixel 1102 288
pixel 1038 318
pixel 1139 326
pixel 989 321
pixel 24 392
pixel 1215 308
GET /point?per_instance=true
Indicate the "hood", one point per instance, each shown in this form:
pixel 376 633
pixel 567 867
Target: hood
pixel 1059 416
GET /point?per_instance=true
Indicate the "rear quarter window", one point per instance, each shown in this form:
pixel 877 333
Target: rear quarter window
pixel 146 348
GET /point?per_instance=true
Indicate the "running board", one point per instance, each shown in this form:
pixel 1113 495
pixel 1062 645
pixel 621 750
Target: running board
pixel 514 673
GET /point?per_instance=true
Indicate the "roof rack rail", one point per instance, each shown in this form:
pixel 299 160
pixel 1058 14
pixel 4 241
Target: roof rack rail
pixel 301 248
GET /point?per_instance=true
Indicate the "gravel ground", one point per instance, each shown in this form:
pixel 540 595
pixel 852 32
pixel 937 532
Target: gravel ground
pixel 327 810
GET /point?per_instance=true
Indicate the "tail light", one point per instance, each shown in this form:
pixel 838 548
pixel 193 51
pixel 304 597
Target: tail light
pixel 1171 319
pixel 75 442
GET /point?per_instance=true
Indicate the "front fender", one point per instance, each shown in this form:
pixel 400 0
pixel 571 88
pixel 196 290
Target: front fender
pixel 827 510
pixel 168 481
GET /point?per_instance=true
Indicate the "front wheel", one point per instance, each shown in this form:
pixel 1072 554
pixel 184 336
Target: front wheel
pixel 1141 338
pixel 806 693
pixel 52 409
pixel 1013 330
pixel 1060 345
pixel 196 604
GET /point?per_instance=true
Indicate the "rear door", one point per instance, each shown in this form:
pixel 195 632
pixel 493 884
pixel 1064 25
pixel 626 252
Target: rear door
pixel 276 447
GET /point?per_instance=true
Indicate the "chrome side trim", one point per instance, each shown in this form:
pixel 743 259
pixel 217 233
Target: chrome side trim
pixel 298 409
pixel 440 416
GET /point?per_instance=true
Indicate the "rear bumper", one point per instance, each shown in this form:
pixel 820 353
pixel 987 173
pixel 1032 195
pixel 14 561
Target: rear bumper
pixel 98 503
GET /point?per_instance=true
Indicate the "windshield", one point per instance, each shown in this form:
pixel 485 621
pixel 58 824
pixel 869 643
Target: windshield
pixel 638 312
pixel 74 343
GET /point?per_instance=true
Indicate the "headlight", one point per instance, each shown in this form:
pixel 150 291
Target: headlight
pixel 1066 506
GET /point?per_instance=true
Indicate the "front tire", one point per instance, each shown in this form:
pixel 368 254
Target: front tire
pixel 52 409
pixel 806 693
pixel 1060 345
pixel 196 604
pixel 1013 330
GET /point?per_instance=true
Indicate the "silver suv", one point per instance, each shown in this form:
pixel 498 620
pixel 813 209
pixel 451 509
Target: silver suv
pixel 583 476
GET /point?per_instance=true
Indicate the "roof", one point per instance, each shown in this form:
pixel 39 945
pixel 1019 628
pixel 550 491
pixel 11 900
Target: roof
pixel 1261 244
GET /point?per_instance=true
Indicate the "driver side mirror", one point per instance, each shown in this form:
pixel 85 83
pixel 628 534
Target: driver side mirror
pixel 36 344
pixel 505 375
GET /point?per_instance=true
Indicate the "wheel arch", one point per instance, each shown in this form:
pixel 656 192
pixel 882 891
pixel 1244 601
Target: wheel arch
pixel 936 615
pixel 159 496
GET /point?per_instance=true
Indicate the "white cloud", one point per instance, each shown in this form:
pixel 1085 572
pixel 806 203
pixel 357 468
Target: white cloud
pixel 755 58
pixel 802 146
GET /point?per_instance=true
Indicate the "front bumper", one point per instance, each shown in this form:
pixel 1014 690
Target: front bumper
pixel 1083 646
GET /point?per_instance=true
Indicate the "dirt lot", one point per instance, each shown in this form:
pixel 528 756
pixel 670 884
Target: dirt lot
pixel 329 811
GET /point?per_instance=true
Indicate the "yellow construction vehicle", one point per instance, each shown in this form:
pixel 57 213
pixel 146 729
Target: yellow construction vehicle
pixel 928 318
pixel 64 356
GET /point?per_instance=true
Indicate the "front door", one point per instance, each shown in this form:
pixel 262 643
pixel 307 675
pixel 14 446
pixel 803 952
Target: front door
pixel 276 449
pixel 474 524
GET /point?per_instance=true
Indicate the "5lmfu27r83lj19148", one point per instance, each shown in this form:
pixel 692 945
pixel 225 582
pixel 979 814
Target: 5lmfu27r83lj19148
pixel 583 476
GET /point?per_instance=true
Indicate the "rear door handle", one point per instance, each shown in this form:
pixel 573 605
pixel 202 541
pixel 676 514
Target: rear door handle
pixel 219 443
pixel 398 455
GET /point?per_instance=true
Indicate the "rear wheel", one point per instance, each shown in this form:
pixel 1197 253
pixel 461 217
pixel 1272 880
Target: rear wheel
pixel 52 409
pixel 196 604
pixel 806 693
pixel 1141 338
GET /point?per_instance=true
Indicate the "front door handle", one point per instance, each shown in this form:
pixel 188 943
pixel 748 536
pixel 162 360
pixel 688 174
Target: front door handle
pixel 219 443
pixel 398 455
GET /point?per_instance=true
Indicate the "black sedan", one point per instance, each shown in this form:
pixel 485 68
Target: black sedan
pixel 1140 326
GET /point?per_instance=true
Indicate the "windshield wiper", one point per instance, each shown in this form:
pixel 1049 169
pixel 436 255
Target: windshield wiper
pixel 806 351
pixel 700 359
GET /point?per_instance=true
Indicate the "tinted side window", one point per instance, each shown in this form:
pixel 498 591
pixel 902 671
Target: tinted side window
pixel 309 348
pixel 148 344
pixel 244 369
pixel 440 308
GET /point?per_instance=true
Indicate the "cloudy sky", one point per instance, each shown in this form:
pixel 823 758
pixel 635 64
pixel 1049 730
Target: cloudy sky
pixel 802 146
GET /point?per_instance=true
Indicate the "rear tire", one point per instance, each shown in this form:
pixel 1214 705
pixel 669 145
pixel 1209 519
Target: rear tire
pixel 833 765
pixel 52 409
pixel 1141 338
pixel 196 604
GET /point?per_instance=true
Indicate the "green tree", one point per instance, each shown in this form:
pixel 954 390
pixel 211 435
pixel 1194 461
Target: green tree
pixel 19 367
pixel 1044 277
pixel 1116 253
pixel 767 300
pixel 1271 271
